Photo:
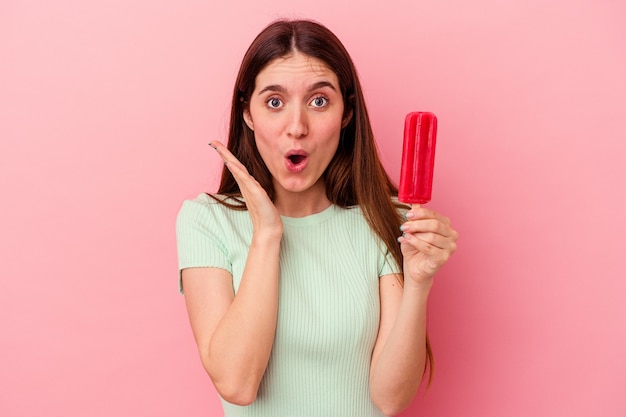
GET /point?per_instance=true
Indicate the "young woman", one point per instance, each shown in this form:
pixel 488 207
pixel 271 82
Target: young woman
pixel 302 298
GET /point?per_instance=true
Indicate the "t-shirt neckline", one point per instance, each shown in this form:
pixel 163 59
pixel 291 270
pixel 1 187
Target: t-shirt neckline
pixel 310 220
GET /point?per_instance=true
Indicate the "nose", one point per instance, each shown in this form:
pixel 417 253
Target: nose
pixel 298 126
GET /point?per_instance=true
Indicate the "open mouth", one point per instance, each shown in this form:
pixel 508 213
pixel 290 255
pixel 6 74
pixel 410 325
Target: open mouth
pixel 297 159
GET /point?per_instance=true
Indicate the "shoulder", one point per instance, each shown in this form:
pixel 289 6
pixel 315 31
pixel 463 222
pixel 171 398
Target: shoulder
pixel 211 202
pixel 351 220
pixel 209 208
pixel 357 211
pixel 351 212
pixel 200 206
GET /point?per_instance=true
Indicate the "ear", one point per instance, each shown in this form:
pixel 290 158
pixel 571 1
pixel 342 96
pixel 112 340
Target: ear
pixel 248 119
pixel 346 119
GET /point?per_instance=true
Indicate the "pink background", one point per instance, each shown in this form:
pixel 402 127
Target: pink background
pixel 106 109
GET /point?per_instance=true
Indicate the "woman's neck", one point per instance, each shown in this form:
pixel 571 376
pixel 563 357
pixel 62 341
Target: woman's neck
pixel 301 204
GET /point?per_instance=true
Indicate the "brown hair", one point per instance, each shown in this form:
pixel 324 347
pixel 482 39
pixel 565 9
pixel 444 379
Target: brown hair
pixel 355 175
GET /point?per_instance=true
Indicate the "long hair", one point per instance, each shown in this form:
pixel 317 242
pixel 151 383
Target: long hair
pixel 355 175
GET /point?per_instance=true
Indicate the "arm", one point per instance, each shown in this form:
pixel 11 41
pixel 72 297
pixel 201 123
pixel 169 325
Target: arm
pixel 399 356
pixel 235 333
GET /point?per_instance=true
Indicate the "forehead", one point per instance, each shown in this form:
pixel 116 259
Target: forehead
pixel 296 67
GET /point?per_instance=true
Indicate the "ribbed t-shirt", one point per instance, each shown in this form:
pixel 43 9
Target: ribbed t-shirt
pixel 328 311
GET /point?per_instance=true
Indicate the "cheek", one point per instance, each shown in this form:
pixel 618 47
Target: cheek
pixel 333 136
pixel 264 131
pixel 263 145
pixel 330 147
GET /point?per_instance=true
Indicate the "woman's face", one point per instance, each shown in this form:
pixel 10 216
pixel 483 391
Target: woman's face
pixel 296 112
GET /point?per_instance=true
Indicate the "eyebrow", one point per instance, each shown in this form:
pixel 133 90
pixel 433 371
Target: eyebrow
pixel 280 89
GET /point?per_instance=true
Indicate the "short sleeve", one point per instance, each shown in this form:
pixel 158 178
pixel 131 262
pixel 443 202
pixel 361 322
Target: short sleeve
pixel 389 265
pixel 199 239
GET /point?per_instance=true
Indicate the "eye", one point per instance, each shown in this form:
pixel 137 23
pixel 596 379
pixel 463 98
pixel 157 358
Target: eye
pixel 274 103
pixel 319 101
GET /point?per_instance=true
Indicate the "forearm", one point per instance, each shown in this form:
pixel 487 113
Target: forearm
pixel 399 368
pixel 241 344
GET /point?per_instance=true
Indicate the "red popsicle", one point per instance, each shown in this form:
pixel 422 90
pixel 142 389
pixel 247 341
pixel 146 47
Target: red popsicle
pixel 418 158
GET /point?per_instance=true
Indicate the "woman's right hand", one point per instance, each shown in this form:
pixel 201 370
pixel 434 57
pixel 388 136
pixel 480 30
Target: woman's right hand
pixel 266 220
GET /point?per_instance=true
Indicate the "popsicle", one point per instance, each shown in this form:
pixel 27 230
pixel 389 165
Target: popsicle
pixel 418 158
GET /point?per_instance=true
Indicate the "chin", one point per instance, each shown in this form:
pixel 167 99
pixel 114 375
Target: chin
pixel 298 187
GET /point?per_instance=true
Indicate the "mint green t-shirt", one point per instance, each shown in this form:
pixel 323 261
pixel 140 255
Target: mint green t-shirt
pixel 328 311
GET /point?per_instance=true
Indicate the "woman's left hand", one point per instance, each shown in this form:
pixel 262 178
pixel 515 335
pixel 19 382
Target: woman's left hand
pixel 427 242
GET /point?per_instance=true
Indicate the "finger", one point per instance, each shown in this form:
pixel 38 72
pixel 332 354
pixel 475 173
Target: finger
pixel 447 244
pixel 431 242
pixel 221 149
pixel 226 155
pixel 418 212
pixel 436 254
pixel 436 240
pixel 248 185
pixel 239 171
pixel 428 225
